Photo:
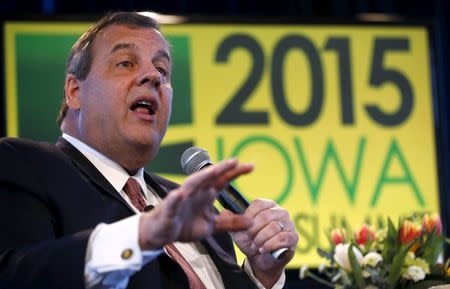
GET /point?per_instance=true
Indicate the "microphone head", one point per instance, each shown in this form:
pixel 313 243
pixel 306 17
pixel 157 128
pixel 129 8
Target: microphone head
pixel 194 159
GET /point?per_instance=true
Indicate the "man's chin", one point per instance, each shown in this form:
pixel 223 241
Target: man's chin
pixel 146 145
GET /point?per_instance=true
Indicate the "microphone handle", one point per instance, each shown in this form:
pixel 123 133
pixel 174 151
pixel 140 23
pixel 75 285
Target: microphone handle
pixel 232 200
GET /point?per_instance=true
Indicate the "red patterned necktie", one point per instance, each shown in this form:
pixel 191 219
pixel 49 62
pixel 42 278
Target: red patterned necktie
pixel 134 192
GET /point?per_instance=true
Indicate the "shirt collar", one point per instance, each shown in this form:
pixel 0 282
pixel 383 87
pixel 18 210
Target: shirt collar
pixel 116 175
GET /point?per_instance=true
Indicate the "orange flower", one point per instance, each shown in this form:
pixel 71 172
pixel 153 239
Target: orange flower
pixel 409 231
pixel 431 222
pixel 364 235
pixel 338 236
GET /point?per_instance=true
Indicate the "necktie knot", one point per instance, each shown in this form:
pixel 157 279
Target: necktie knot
pixel 133 190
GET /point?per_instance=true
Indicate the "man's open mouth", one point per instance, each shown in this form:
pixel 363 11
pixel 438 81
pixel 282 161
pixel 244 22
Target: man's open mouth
pixel 143 106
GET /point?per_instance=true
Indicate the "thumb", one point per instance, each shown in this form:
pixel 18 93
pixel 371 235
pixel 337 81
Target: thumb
pixel 226 221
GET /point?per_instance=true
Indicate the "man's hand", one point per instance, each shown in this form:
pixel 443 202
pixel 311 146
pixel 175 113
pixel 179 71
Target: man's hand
pixel 187 213
pixel 272 229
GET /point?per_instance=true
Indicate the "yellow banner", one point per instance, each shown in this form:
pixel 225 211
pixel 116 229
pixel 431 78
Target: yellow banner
pixel 337 120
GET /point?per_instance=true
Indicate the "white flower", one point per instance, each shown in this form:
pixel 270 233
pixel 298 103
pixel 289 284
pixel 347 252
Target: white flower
pixel 303 270
pixel 415 273
pixel 341 256
pixel 372 259
pixel 321 268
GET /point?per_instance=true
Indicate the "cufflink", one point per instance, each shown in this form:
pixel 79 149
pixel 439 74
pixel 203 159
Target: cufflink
pixel 127 254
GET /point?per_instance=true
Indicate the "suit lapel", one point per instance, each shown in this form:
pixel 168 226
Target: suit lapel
pixel 89 170
pixel 159 188
pixel 221 257
pixel 233 275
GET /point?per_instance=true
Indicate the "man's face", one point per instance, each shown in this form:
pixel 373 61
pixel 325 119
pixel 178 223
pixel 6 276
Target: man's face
pixel 125 101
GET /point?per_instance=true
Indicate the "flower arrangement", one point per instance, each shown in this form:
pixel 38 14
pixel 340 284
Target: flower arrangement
pixel 388 258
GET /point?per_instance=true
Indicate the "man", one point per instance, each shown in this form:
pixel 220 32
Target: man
pixel 72 215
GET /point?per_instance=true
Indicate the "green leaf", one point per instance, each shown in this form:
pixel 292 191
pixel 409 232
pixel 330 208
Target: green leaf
pixel 319 279
pixel 447 240
pixel 437 270
pixel 432 247
pixel 389 249
pixel 324 254
pixel 356 268
pixel 397 263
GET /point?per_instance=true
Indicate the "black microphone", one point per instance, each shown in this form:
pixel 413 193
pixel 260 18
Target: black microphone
pixel 195 159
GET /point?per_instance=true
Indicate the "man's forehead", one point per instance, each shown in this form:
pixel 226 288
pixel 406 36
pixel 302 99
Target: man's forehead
pixel 118 36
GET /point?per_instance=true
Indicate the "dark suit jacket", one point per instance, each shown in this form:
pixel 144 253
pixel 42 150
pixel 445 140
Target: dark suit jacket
pixel 51 198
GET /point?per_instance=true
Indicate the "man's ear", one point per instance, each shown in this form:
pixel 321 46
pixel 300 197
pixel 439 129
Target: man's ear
pixel 72 91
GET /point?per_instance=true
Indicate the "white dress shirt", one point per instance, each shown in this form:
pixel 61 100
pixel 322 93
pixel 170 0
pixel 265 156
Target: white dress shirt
pixel 109 265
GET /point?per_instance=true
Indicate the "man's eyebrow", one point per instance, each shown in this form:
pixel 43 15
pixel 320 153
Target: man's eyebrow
pixel 120 46
pixel 162 54
pixel 159 54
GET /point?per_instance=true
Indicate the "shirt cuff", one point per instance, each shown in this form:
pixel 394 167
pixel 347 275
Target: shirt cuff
pixel 113 253
pixel 278 285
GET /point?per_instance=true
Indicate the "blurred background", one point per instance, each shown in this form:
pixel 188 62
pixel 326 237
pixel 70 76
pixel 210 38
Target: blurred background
pixel 347 9
pixel 433 14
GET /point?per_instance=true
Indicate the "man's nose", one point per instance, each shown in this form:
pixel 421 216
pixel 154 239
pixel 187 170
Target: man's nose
pixel 150 76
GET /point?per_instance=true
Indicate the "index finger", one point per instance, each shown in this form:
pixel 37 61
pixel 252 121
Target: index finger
pixel 206 176
pixel 226 221
pixel 223 180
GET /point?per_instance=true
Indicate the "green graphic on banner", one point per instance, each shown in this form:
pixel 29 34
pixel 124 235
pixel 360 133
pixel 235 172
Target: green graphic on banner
pixel 181 80
pixel 40 62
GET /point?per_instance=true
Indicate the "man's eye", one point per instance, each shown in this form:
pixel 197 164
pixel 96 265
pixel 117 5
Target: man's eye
pixel 162 71
pixel 125 64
